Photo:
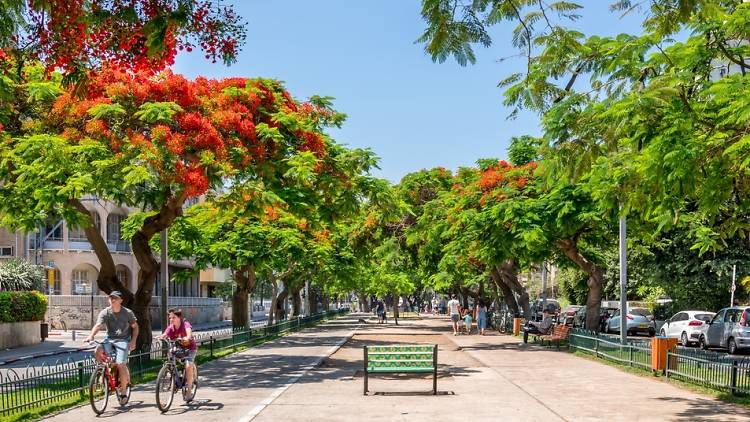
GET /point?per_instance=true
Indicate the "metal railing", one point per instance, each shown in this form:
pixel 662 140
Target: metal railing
pixel 635 353
pixel 710 369
pixel 67 382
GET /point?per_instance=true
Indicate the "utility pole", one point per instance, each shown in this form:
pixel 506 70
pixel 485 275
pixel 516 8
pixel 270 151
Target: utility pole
pixel 164 279
pixel 623 281
pixel 734 285
pixel 544 285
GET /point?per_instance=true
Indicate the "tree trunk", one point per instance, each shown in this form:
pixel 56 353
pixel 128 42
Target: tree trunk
pixel 280 309
pixel 274 292
pixel 508 296
pixel 296 301
pixel 106 280
pixel 509 273
pixel 595 283
pixel 364 301
pixel 245 279
pixel 143 253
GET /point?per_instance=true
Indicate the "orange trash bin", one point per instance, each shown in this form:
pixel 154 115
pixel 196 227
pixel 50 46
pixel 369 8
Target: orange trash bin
pixel 659 348
pixel 517 325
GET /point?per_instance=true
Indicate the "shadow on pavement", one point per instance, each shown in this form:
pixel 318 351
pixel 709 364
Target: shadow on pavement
pixel 696 410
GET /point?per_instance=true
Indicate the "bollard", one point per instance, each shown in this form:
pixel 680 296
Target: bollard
pixel 211 345
pixel 74 335
pixel 81 383
pixel 517 326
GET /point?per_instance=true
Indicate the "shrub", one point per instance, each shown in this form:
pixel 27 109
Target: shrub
pixel 22 306
pixel 19 274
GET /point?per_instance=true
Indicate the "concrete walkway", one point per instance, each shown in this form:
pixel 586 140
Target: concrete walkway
pixel 489 378
pixel 486 378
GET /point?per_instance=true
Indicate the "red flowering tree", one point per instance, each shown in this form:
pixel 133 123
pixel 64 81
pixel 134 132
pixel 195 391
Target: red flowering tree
pixel 138 35
pixel 152 142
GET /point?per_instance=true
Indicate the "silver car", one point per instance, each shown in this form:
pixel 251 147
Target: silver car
pixel 639 320
pixel 729 329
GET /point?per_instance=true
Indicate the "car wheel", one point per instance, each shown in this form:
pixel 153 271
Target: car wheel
pixel 684 339
pixel 663 333
pixel 702 343
pixel 651 332
pixel 732 346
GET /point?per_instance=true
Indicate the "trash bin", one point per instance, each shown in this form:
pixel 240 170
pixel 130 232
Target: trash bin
pixel 44 327
pixel 659 348
pixel 517 322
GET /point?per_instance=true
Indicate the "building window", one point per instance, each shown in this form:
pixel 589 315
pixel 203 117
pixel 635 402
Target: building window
pixel 77 234
pixel 122 276
pixel 54 230
pixel 6 251
pixel 81 282
pixel 114 225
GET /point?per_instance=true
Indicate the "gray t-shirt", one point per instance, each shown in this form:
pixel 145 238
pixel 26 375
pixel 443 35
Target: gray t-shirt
pixel 117 323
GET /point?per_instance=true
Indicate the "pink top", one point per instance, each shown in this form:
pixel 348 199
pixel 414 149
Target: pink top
pixel 173 333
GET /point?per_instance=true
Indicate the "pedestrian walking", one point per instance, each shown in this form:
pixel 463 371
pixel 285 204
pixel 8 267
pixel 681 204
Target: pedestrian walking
pixel 455 310
pixel 481 316
pixel 467 320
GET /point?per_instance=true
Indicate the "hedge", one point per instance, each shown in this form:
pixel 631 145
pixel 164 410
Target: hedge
pixel 22 306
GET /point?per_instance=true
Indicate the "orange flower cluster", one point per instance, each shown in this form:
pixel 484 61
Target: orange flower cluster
pixel 211 121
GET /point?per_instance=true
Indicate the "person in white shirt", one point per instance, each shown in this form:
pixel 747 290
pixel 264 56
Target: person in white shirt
pixel 455 310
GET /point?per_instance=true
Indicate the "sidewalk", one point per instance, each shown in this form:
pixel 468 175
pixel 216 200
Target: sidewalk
pixel 489 378
pixel 240 386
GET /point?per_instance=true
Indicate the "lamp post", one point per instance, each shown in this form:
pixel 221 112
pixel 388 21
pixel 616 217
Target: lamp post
pixel 623 281
pixel 164 279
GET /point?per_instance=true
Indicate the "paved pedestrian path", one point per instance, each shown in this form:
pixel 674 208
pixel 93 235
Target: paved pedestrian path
pixel 486 378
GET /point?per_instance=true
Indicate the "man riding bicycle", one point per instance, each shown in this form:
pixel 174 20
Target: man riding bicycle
pixel 122 331
pixel 181 331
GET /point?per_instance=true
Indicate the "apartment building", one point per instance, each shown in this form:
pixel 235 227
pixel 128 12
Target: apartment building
pixel 66 251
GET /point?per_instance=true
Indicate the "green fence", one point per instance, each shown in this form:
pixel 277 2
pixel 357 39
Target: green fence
pixel 710 369
pixel 635 353
pixel 66 382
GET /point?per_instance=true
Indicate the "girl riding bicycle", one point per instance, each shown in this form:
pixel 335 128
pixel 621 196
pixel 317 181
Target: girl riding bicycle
pixel 181 331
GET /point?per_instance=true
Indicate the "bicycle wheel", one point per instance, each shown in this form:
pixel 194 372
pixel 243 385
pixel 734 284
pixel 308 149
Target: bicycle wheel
pixel 125 398
pixel 188 396
pixel 165 386
pixel 99 391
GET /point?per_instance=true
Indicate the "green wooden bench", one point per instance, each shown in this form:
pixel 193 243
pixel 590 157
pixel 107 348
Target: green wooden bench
pixel 401 359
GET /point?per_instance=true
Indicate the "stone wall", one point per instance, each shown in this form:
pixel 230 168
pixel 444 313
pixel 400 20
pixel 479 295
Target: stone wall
pixel 17 334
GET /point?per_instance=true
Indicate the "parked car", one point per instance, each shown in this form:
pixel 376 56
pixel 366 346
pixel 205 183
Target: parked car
pixel 579 320
pixel 552 306
pixel 639 320
pixel 567 315
pixel 729 329
pixel 687 326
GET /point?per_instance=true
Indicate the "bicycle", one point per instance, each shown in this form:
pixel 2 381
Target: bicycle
pixel 171 378
pixel 103 381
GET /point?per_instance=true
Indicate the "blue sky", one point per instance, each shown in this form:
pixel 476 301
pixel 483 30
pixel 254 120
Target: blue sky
pixel 412 112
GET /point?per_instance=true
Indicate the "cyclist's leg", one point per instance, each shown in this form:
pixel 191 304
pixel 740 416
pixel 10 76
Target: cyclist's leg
pixel 189 365
pixel 105 349
pixel 121 360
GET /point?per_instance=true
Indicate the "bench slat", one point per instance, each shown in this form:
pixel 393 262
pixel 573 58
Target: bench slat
pixel 395 371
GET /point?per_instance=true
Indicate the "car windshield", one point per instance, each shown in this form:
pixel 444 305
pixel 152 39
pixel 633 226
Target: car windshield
pixel 704 317
pixel 640 311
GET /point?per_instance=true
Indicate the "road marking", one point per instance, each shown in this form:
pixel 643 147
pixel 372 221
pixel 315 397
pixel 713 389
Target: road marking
pixel 255 411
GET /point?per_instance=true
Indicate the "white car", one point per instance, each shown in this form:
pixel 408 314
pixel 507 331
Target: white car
pixel 687 326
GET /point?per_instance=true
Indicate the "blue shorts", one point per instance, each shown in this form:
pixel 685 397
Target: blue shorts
pixel 117 349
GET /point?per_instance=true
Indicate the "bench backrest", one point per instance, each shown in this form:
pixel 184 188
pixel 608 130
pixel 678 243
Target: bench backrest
pixel 401 356
pixel 561 331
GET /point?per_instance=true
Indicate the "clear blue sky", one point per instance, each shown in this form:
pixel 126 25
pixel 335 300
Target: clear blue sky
pixel 412 112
